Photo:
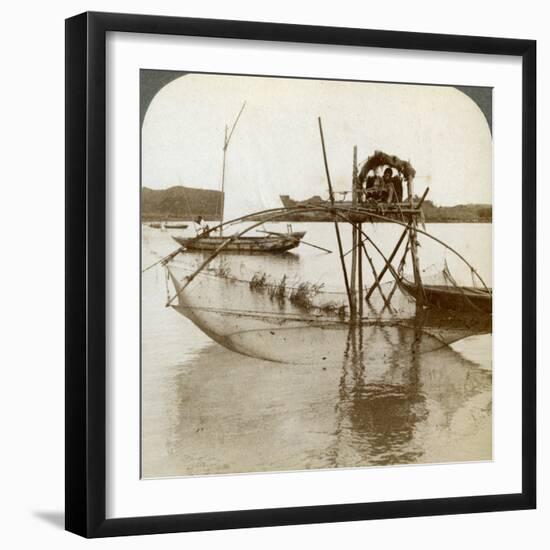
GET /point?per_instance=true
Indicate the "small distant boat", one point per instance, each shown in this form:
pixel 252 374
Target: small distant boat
pixel 168 225
pixel 453 298
pixel 274 243
pixel 176 225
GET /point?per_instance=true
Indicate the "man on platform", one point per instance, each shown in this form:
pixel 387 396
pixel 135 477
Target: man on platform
pixel 201 226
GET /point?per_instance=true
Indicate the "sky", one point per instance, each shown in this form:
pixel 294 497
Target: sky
pixel 276 147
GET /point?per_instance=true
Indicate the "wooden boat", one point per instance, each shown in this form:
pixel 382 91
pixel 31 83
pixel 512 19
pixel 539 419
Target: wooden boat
pixel 453 298
pixel 272 243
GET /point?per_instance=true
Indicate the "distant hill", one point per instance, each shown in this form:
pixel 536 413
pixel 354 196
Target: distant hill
pixel 464 213
pixel 180 203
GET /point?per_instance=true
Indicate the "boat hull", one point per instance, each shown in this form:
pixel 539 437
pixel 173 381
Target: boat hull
pixel 453 298
pixel 274 244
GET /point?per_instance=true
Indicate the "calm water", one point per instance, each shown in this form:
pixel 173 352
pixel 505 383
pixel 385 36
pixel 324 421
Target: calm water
pixel 207 410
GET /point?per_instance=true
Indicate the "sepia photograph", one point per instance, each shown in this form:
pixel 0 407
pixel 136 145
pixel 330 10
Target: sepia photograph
pixel 316 274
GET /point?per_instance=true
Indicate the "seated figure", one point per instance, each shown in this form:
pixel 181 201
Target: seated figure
pixel 201 226
pixel 383 177
pixel 386 188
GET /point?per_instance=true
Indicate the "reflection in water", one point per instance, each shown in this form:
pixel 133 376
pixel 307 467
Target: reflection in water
pixel 383 400
pixel 236 414
pixel 379 417
pixel 241 265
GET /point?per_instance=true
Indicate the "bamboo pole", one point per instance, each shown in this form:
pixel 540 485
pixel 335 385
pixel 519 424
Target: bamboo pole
pixel 359 230
pixel 399 268
pixel 413 244
pixel 338 238
pixel 360 271
pixel 394 252
pixel 357 245
pixel 373 269
pixel 353 277
pixel 385 268
pixel 226 141
pixel 222 197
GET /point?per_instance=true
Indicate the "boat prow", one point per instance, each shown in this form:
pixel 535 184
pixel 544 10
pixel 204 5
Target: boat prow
pixel 453 298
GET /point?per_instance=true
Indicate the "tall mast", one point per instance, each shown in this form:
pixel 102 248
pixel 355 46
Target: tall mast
pixel 222 197
pixel 226 140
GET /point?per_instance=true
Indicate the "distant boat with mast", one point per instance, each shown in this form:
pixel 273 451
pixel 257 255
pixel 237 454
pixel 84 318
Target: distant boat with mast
pixel 271 242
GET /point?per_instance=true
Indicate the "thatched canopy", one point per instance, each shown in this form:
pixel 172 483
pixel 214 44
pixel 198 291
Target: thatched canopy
pixel 380 159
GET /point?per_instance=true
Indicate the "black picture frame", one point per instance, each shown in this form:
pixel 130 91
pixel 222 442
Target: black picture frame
pixel 86 274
